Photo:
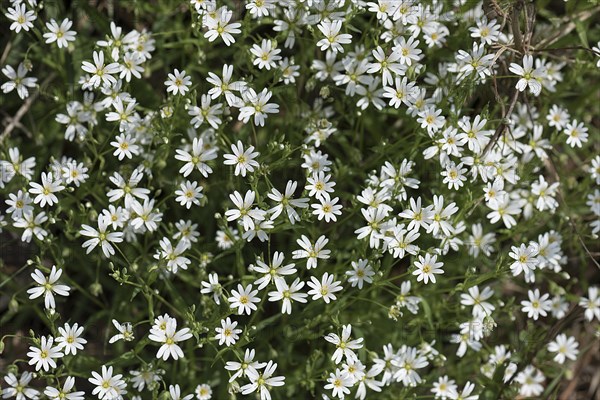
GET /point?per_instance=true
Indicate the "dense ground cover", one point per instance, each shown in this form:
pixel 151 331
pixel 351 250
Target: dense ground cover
pixel 299 199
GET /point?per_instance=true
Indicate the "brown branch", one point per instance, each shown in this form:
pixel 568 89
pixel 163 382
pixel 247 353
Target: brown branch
pixel 581 364
pixel 503 124
pixel 516 28
pixel 552 167
pixel 15 121
pixel 568 25
pixel 566 48
pixel 5 53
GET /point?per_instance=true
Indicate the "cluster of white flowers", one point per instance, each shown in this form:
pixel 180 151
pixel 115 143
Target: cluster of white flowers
pixel 271 173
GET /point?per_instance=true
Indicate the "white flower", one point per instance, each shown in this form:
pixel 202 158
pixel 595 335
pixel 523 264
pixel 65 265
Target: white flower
pixel 526 260
pixel 467 390
pixel 564 347
pixel 227 334
pixel 18 387
pixel 289 71
pixel 419 216
pixel 17 80
pixel 19 204
pixel 257 105
pixel 262 382
pixel 494 191
pixel 169 339
pixel 386 65
pixel 100 237
pixel 487 32
pixel 260 8
pixel 244 160
pixel 219 26
pixel 116 41
pixel 360 273
pixel 531 380
pixel 43 356
pixel 537 305
pixel 559 307
pixel 186 232
pixel 127 189
pixel 319 185
pixel 65 392
pixel 245 368
pixel 60 34
pixel 529 76
pixel 100 73
pixel 344 346
pixel 274 271
pixel 70 340
pixel 327 209
pixel 206 112
pixel 368 380
pixel 594 169
pixel 333 38
pixel 175 393
pixel 266 54
pixel 427 267
pixel 31 223
pixel 22 18
pixel 577 133
pixel 286 202
pixel 75 173
pixel 226 87
pixel 288 294
pixel 596 49
pixel 330 68
pixel 474 62
pixel 312 252
pixel 374 218
pixel 407 50
pixel 404 92
pixel 212 286
pixel 441 215
pixel 473 134
pixel 431 119
pixel 125 146
pixel 454 175
pixel 197 158
pixel 189 193
pixel 504 208
pixel 226 239
pixel 108 387
pixel 125 332
pixel 445 388
pixel 173 256
pixel 45 191
pixel 557 117
pixel 591 303
pixel 407 364
pixel 47 286
pixel 146 217
pixel 545 194
pixel 16 165
pixel 481 308
pixel 178 82
pixel 325 288
pixel 203 392
pixel 244 210
pixel 339 383
pixel 244 299
pixel 131 66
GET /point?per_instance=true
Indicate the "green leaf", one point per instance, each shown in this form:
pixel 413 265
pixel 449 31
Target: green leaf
pixel 581 31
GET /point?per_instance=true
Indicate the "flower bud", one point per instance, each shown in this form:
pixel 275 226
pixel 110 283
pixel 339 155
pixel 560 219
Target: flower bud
pixel 13 305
